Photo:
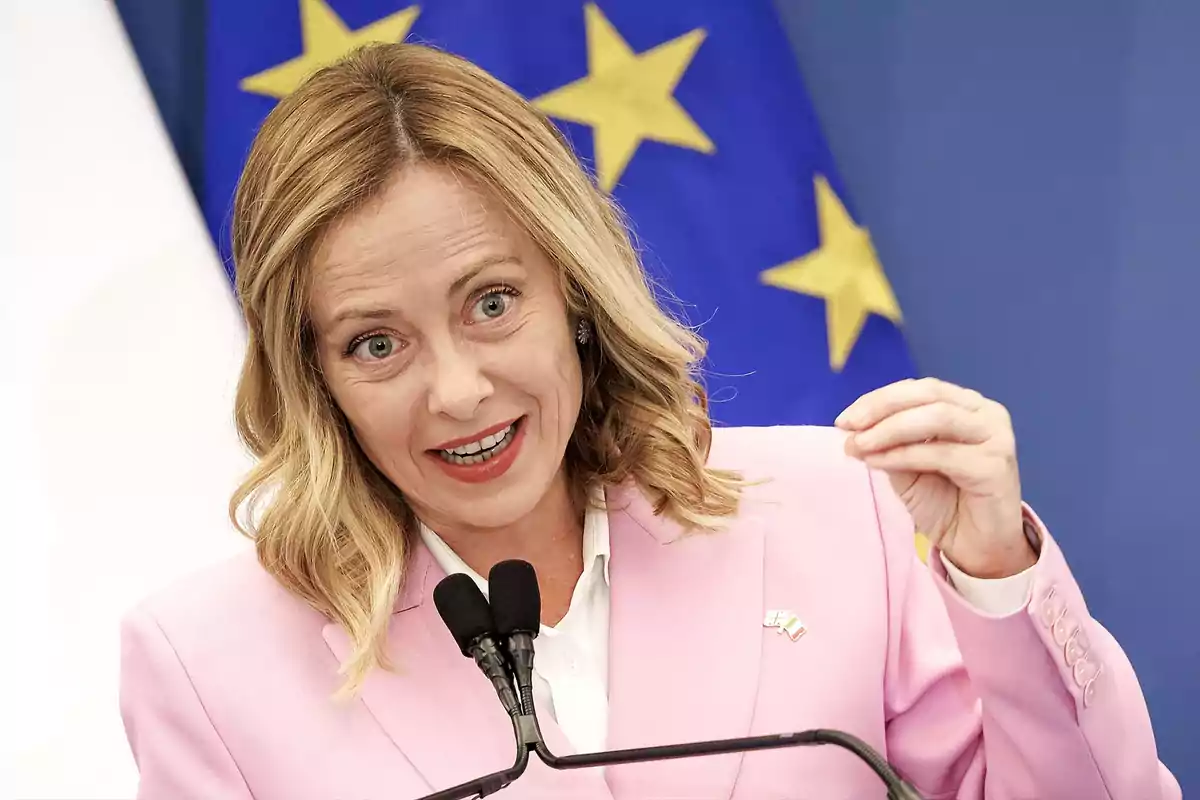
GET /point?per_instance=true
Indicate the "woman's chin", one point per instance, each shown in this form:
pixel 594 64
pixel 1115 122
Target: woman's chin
pixel 480 510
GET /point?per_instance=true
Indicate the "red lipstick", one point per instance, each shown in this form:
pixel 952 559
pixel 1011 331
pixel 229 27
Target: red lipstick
pixel 489 467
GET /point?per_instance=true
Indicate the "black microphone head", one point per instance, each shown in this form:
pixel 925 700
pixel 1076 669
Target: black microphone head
pixel 464 609
pixel 516 600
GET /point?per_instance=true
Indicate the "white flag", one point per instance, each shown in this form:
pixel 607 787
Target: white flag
pixel 119 350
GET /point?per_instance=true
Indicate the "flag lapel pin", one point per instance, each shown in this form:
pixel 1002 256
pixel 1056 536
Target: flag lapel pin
pixel 785 623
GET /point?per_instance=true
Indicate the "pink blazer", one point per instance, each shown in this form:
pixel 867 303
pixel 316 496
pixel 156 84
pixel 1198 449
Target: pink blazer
pixel 226 678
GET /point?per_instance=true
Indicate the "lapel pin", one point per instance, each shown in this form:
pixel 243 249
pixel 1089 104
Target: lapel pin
pixel 785 623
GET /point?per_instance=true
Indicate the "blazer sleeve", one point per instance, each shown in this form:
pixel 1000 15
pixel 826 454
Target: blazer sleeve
pixel 1038 703
pixel 178 751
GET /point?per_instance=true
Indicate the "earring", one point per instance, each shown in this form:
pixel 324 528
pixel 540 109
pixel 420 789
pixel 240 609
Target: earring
pixel 583 332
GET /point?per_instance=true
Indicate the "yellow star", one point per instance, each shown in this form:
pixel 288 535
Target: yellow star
pixel 844 271
pixel 922 542
pixel 627 97
pixel 326 39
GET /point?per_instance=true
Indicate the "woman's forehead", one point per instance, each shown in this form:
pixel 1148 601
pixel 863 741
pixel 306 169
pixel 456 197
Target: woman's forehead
pixel 426 214
pixel 423 208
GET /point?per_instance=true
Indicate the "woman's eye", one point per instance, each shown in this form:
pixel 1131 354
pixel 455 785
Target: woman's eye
pixel 491 305
pixel 374 348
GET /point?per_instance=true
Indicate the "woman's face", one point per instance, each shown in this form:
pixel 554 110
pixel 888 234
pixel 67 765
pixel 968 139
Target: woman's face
pixel 445 340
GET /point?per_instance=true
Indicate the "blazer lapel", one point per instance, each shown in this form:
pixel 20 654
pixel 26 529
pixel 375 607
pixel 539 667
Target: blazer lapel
pixel 685 643
pixel 439 709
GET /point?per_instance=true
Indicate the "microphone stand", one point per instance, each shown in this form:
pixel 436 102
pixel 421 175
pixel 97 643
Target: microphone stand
pixel 489 784
pixel 529 737
pixel 521 652
pixel 898 789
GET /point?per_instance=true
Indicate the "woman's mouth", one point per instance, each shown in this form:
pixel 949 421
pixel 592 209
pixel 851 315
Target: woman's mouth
pixel 488 456
pixel 483 449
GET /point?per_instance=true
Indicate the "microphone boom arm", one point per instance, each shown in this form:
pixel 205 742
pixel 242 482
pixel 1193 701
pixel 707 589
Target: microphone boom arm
pixel 521 654
pixel 898 789
pixel 489 784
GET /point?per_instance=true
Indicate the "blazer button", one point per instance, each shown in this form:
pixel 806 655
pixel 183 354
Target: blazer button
pixel 1051 607
pixel 1076 647
pixel 1089 688
pixel 1084 670
pixel 1063 628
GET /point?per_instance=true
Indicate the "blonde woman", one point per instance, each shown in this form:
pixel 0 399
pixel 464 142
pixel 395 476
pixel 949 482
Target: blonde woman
pixel 454 359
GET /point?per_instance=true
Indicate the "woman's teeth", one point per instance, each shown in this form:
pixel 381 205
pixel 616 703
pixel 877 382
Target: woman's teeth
pixel 478 452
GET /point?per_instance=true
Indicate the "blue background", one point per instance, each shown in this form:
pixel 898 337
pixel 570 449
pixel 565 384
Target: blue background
pixel 1031 176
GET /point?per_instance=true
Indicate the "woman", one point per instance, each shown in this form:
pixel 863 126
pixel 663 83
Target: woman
pixel 454 359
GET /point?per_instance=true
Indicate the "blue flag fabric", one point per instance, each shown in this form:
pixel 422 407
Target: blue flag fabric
pixel 691 113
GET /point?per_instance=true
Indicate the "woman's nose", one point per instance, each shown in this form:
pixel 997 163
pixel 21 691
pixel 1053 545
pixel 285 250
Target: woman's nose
pixel 458 385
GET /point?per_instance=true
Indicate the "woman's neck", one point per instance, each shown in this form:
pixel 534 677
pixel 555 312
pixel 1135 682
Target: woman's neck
pixel 550 538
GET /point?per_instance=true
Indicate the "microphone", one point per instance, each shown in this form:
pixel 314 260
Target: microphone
pixel 518 620
pixel 516 606
pixel 467 615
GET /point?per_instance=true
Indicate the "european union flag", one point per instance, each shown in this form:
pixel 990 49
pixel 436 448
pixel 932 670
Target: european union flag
pixel 691 113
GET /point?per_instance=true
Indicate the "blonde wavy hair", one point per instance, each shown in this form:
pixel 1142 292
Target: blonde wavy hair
pixel 326 523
